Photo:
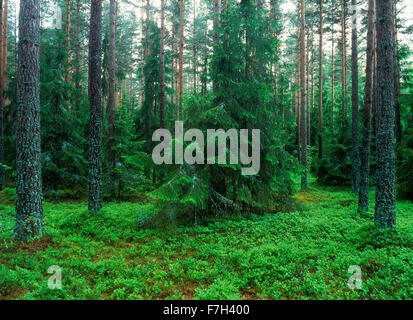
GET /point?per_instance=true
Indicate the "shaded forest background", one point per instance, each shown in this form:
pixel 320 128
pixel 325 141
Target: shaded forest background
pixel 212 64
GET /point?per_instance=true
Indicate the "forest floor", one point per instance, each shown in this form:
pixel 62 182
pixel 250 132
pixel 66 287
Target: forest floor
pixel 296 255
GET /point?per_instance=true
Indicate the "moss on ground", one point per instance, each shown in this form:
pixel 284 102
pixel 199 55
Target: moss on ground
pixel 296 255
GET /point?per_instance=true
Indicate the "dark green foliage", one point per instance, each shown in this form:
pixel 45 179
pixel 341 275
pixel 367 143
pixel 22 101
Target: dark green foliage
pixel 336 166
pixel 242 100
pixel 63 159
pixel 128 173
pixel 405 167
pixel 405 149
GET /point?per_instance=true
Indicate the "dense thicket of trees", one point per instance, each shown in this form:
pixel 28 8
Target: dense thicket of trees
pixel 117 70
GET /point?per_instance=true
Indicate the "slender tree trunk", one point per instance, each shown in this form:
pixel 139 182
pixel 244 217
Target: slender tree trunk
pixel 217 11
pixel 273 34
pixel 120 82
pixel 162 97
pixel 385 211
pixel 29 196
pixel 173 63
pixel 67 39
pixel 15 41
pixel 297 99
pixel 303 131
pixel 2 155
pixel 4 51
pixel 363 204
pixel 95 100
pixel 343 59
pixel 112 94
pixel 374 99
pixel 332 76
pixel 130 93
pixel 78 75
pixel 205 75
pixel 320 87
pixel 147 32
pixel 195 50
pixel 355 177
pixel 308 112
pixel 143 52
pixel 312 73
pixel 181 59
pixel 397 114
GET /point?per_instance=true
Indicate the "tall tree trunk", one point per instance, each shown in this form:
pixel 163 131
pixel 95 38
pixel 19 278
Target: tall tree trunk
pixel 204 78
pixel 194 50
pixel 15 41
pixel 332 74
pixel 363 204
pixel 343 59
pixel 29 196
pixel 147 32
pixel 181 58
pixel 4 43
pixel 308 111
pixel 112 94
pixel 355 155
pixel 67 39
pixel 95 100
pixel 173 62
pixel 303 131
pixel 82 64
pixel 320 87
pixel 297 98
pixel 78 76
pixel 217 11
pixel 385 211
pixel 397 113
pixel 312 77
pixel 374 99
pixel 120 82
pixel 162 97
pixel 2 170
pixel 274 35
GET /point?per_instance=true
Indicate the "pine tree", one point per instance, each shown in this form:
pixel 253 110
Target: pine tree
pixel 385 210
pixel 332 68
pixel 320 87
pixel 397 113
pixel 162 97
pixel 2 151
pixel 303 130
pixel 112 92
pixel 77 53
pixel 355 155
pixel 363 204
pixel 181 59
pixel 68 8
pixel 29 196
pixel 95 100
pixel 343 60
pixel 4 43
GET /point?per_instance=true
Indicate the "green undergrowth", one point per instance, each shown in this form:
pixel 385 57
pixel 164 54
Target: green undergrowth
pixel 293 255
